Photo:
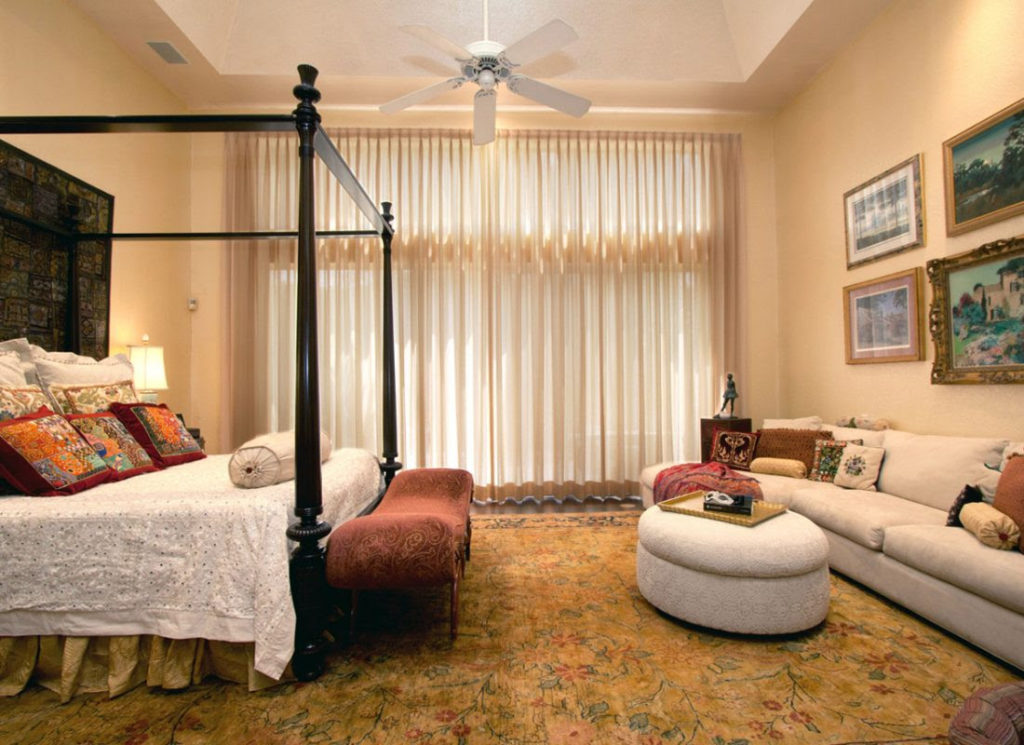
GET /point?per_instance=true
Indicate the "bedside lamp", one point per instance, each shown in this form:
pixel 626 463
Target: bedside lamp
pixel 148 364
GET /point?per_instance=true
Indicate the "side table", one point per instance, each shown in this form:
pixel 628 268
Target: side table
pixel 708 427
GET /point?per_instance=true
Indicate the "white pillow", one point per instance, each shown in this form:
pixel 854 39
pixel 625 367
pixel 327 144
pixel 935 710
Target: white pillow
pixel 24 351
pixel 58 368
pixel 11 372
pixel 932 469
pixel 859 467
pixel 269 459
pixel 867 437
pixel 807 422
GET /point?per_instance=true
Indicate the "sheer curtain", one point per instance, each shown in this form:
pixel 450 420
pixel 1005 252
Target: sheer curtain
pixel 564 300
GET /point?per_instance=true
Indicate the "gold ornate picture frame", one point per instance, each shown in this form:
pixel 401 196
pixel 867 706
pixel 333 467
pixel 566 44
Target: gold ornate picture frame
pixel 976 319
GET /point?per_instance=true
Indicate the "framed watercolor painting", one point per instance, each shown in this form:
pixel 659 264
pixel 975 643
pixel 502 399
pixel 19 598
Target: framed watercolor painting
pixel 882 319
pixel 977 314
pixel 984 171
pixel 884 215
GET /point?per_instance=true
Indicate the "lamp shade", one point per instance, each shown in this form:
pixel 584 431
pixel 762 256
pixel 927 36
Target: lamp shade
pixel 148 364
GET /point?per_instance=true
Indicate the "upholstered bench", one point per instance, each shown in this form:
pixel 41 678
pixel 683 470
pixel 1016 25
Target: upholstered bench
pixel 991 716
pixel 771 578
pixel 418 536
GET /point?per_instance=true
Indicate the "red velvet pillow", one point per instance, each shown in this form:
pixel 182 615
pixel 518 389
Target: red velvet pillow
pixel 160 432
pixel 1010 493
pixel 114 443
pixel 43 455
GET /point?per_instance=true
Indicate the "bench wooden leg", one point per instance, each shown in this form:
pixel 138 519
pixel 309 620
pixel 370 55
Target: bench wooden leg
pixel 455 607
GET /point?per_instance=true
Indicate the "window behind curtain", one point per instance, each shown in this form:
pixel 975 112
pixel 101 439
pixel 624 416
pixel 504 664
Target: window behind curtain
pixel 559 299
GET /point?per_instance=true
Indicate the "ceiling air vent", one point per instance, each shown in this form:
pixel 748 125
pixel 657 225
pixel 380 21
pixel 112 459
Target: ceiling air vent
pixel 167 52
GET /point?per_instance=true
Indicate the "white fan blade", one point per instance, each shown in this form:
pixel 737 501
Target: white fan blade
pixel 548 95
pixel 434 39
pixel 543 41
pixel 484 104
pixel 423 94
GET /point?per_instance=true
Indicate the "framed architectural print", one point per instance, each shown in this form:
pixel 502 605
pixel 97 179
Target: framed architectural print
pixel 884 215
pixel 977 314
pixel 882 319
pixel 984 171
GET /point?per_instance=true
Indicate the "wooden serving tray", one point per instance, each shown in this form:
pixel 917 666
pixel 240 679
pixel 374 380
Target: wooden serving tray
pixel 692 503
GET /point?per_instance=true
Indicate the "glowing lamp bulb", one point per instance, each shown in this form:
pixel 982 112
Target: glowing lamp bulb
pixel 485 79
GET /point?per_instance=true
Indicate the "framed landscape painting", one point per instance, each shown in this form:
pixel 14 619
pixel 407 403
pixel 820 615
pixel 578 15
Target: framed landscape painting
pixel 884 215
pixel 882 319
pixel 984 171
pixel 977 314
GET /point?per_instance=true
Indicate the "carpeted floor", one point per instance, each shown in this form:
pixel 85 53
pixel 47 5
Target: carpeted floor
pixel 557 646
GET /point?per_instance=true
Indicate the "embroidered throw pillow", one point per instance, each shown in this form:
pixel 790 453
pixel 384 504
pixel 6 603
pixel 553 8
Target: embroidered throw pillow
pixel 20 400
pixel 791 444
pixel 967 495
pixel 43 455
pixel 112 441
pixel 90 399
pixel 734 449
pixel 859 467
pixel 160 432
pixel 827 454
pixel 1009 497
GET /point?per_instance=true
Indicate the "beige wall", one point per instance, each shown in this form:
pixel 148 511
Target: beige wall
pixel 55 62
pixel 923 72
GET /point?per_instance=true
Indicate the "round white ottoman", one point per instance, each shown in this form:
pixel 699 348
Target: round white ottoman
pixel 771 578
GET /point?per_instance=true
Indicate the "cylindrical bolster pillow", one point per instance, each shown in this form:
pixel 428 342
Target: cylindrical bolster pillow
pixel 989 525
pixel 795 469
pixel 269 459
pixel 393 550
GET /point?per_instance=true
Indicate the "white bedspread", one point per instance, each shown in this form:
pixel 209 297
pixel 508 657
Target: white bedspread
pixel 181 553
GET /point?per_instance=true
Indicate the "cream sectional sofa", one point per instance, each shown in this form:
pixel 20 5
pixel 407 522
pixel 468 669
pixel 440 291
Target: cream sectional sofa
pixel 895 541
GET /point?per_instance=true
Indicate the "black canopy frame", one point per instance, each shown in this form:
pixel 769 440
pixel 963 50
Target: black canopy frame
pixel 310 592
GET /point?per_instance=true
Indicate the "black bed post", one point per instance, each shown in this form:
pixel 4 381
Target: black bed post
pixel 308 580
pixel 390 466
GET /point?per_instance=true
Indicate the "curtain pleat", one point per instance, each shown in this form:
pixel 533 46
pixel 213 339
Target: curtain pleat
pixel 565 302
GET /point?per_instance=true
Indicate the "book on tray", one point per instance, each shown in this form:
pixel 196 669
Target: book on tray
pixel 740 504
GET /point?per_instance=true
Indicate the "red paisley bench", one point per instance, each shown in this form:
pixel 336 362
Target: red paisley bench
pixel 418 536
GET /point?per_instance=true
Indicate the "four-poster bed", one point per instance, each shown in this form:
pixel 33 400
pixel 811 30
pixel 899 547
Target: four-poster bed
pixel 309 591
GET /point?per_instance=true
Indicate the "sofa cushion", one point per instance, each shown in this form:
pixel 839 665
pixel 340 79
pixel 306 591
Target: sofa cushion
pixel 867 437
pixel 932 469
pixel 776 488
pixel 805 422
pixel 953 555
pixel 861 516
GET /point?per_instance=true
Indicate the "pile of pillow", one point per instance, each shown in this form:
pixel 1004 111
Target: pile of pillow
pixel 798 448
pixel 999 523
pixel 68 422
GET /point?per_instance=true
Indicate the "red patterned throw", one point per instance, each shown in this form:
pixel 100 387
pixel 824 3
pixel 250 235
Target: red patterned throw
pixel 688 477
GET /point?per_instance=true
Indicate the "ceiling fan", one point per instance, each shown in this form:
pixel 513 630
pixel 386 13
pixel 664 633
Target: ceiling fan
pixel 489 63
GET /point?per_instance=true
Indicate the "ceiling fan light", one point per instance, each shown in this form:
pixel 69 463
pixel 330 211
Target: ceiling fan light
pixel 485 79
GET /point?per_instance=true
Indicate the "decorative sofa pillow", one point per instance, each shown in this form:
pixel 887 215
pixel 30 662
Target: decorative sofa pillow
pixel 1009 497
pixel 791 444
pixel 19 400
pixel 10 369
pixel 827 454
pixel 112 441
pixel 41 454
pixel 92 398
pixel 863 436
pixel 795 469
pixel 990 526
pixel 160 432
pixel 859 467
pixel 967 495
pixel 269 459
pixel 734 449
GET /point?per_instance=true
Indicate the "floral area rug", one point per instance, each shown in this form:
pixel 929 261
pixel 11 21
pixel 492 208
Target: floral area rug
pixel 556 645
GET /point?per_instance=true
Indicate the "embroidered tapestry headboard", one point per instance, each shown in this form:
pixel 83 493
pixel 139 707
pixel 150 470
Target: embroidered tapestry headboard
pixel 54 283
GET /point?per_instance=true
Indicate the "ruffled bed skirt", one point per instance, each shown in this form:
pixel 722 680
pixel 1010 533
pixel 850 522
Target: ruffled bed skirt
pixel 70 665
